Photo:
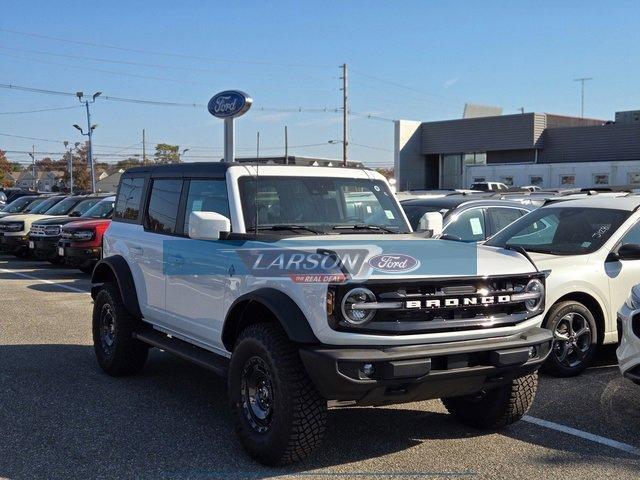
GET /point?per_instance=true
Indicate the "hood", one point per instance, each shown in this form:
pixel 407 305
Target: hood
pixel 378 256
pixel 56 220
pixel 24 217
pixel 546 261
pixel 80 224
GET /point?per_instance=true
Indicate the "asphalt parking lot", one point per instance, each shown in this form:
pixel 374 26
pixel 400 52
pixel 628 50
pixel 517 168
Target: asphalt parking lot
pixel 61 417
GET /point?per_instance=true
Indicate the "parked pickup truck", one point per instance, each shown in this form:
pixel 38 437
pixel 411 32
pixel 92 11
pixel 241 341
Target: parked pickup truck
pixel 305 285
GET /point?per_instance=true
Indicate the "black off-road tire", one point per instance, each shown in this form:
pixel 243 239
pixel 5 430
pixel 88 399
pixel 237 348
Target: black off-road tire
pixel 125 355
pixel 298 413
pixel 495 408
pixel 553 365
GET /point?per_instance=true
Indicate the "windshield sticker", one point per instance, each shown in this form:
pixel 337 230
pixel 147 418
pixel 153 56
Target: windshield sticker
pixel 476 228
pixel 601 231
pixel 389 214
pixel 585 244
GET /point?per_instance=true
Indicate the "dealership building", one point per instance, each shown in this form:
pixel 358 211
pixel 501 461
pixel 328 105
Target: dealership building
pixel 524 149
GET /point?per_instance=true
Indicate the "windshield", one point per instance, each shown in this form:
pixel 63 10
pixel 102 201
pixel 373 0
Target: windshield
pixel 320 203
pixel 45 205
pixel 34 204
pixel 17 205
pixel 415 212
pixel 64 206
pixel 102 209
pixel 83 207
pixel 562 230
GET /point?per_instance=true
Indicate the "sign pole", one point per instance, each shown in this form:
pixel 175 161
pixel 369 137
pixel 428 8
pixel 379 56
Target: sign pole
pixel 229 141
pixel 228 105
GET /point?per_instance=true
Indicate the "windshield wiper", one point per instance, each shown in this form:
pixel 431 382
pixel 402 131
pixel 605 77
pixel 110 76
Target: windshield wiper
pixel 532 249
pixel 278 228
pixel 363 226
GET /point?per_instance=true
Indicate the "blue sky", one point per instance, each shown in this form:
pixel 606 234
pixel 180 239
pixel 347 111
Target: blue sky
pixel 417 60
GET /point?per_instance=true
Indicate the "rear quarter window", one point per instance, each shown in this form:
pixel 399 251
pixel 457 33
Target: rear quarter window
pixel 129 199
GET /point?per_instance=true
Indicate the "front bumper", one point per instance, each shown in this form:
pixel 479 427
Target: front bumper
pixel 628 351
pixel 13 244
pixel 45 248
pixel 76 256
pixel 420 372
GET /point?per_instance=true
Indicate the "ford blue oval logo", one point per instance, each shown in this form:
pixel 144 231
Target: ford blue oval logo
pixel 229 104
pixel 393 263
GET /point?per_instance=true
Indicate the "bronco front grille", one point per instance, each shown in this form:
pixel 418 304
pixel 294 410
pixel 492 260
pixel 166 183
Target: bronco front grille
pixel 439 305
pixel 45 230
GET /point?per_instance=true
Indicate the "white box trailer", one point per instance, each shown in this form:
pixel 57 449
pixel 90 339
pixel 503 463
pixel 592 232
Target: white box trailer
pixel 556 175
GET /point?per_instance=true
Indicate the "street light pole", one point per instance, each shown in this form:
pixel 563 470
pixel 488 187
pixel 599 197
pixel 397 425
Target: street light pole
pixel 89 134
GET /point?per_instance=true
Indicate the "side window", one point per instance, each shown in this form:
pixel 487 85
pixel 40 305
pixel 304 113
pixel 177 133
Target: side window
pixel 468 226
pixel 162 214
pixel 206 196
pixel 129 197
pixel 501 217
pixel 633 235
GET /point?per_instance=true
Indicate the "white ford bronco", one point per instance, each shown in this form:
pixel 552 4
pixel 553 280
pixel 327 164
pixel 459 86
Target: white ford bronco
pixel 304 286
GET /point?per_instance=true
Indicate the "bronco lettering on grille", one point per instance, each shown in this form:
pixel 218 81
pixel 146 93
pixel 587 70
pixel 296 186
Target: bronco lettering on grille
pixel 453 302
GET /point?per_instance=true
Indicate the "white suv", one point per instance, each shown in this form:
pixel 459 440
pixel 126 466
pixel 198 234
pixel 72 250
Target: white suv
pixel 306 285
pixel 591 249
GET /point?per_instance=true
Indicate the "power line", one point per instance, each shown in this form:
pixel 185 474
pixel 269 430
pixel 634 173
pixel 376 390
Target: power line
pixel 163 103
pixel 101 70
pixel 165 54
pixel 132 63
pixel 40 110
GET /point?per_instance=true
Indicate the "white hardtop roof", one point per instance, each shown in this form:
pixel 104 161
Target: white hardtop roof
pixel 303 171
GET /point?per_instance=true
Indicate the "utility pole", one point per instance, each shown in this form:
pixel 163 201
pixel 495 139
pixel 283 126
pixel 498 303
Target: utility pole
pixel 90 129
pixel 345 116
pixel 582 80
pixel 66 145
pixel 258 146
pixel 144 148
pixel 33 162
pixel 286 146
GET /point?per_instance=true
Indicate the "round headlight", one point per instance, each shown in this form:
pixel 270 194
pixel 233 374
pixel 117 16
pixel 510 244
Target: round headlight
pixel 534 286
pixel 350 312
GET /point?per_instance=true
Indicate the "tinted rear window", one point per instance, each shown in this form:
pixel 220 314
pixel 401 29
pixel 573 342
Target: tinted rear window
pixel 129 198
pixel 162 215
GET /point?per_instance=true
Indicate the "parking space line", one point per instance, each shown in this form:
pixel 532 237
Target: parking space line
pixel 625 447
pixel 58 284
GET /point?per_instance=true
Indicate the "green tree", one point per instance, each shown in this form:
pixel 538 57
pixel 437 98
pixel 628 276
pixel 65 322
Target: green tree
pixel 5 164
pixel 81 174
pixel 128 163
pixel 166 153
pixel 5 168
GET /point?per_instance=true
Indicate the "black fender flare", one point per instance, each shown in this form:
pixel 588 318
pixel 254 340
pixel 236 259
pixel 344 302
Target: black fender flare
pixel 116 269
pixel 284 309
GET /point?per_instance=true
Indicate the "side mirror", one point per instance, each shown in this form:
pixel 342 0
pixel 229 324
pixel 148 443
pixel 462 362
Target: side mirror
pixel 208 225
pixel 431 221
pixel 629 251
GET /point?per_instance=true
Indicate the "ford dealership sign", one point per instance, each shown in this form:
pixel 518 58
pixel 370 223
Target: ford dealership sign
pixel 229 104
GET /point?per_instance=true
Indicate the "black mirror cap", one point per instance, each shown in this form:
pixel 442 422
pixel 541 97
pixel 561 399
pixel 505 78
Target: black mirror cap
pixel 629 251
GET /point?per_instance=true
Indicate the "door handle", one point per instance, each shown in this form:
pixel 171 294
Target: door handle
pixel 136 250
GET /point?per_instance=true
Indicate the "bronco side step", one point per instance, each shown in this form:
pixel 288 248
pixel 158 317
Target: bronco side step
pixel 180 348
